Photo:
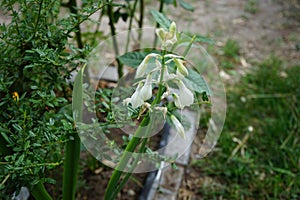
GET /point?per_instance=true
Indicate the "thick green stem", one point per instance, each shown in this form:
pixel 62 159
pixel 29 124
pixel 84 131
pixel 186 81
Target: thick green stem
pixel 127 175
pixel 112 184
pixel 39 192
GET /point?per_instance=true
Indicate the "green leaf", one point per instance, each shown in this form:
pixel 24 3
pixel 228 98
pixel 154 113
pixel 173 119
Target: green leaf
pixel 132 59
pixel 5 136
pixel 49 180
pixel 72 147
pixel 77 104
pixel 196 82
pixel 171 2
pixel 201 38
pixel 186 5
pixel 174 166
pixel 161 19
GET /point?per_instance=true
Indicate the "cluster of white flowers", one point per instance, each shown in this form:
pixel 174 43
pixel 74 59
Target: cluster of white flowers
pixel 182 95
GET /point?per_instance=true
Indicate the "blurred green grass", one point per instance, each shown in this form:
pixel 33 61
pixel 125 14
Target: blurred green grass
pixel 258 153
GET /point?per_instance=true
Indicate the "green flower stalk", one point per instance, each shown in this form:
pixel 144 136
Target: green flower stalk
pixel 160 76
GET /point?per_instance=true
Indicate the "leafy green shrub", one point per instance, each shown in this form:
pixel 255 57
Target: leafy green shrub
pixel 35 117
pixel 37 132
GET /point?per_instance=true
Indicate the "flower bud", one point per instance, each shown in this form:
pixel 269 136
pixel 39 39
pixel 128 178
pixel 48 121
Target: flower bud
pixel 180 66
pixel 178 126
pixel 169 37
pixel 15 96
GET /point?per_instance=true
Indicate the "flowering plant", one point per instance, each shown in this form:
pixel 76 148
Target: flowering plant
pixel 161 84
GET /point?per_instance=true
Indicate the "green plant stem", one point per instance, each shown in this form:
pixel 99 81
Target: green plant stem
pixel 97 28
pixel 39 192
pixel 141 21
pixel 127 175
pixel 113 32
pixel 186 51
pixel 112 184
pixel 38 17
pixel 130 24
pixel 83 18
pixel 72 5
pixel 161 8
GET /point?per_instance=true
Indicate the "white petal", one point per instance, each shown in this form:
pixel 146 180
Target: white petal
pixel 177 101
pixel 136 99
pixel 186 97
pixel 164 110
pixel 146 91
pixel 143 66
pixel 126 101
pixel 168 76
pixel 161 33
pixel 178 126
pixel 141 70
pixel 179 76
pixel 172 56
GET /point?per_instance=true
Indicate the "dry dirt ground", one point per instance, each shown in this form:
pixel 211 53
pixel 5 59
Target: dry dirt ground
pixel 274 28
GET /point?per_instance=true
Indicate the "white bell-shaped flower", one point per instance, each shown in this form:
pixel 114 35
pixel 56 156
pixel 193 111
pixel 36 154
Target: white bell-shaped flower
pixel 185 96
pixel 178 126
pixel 143 66
pixel 136 99
pixel 146 91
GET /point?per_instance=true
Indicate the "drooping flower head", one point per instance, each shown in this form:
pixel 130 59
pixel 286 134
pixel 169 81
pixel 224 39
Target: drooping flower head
pixel 143 66
pixel 136 99
pixel 184 98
